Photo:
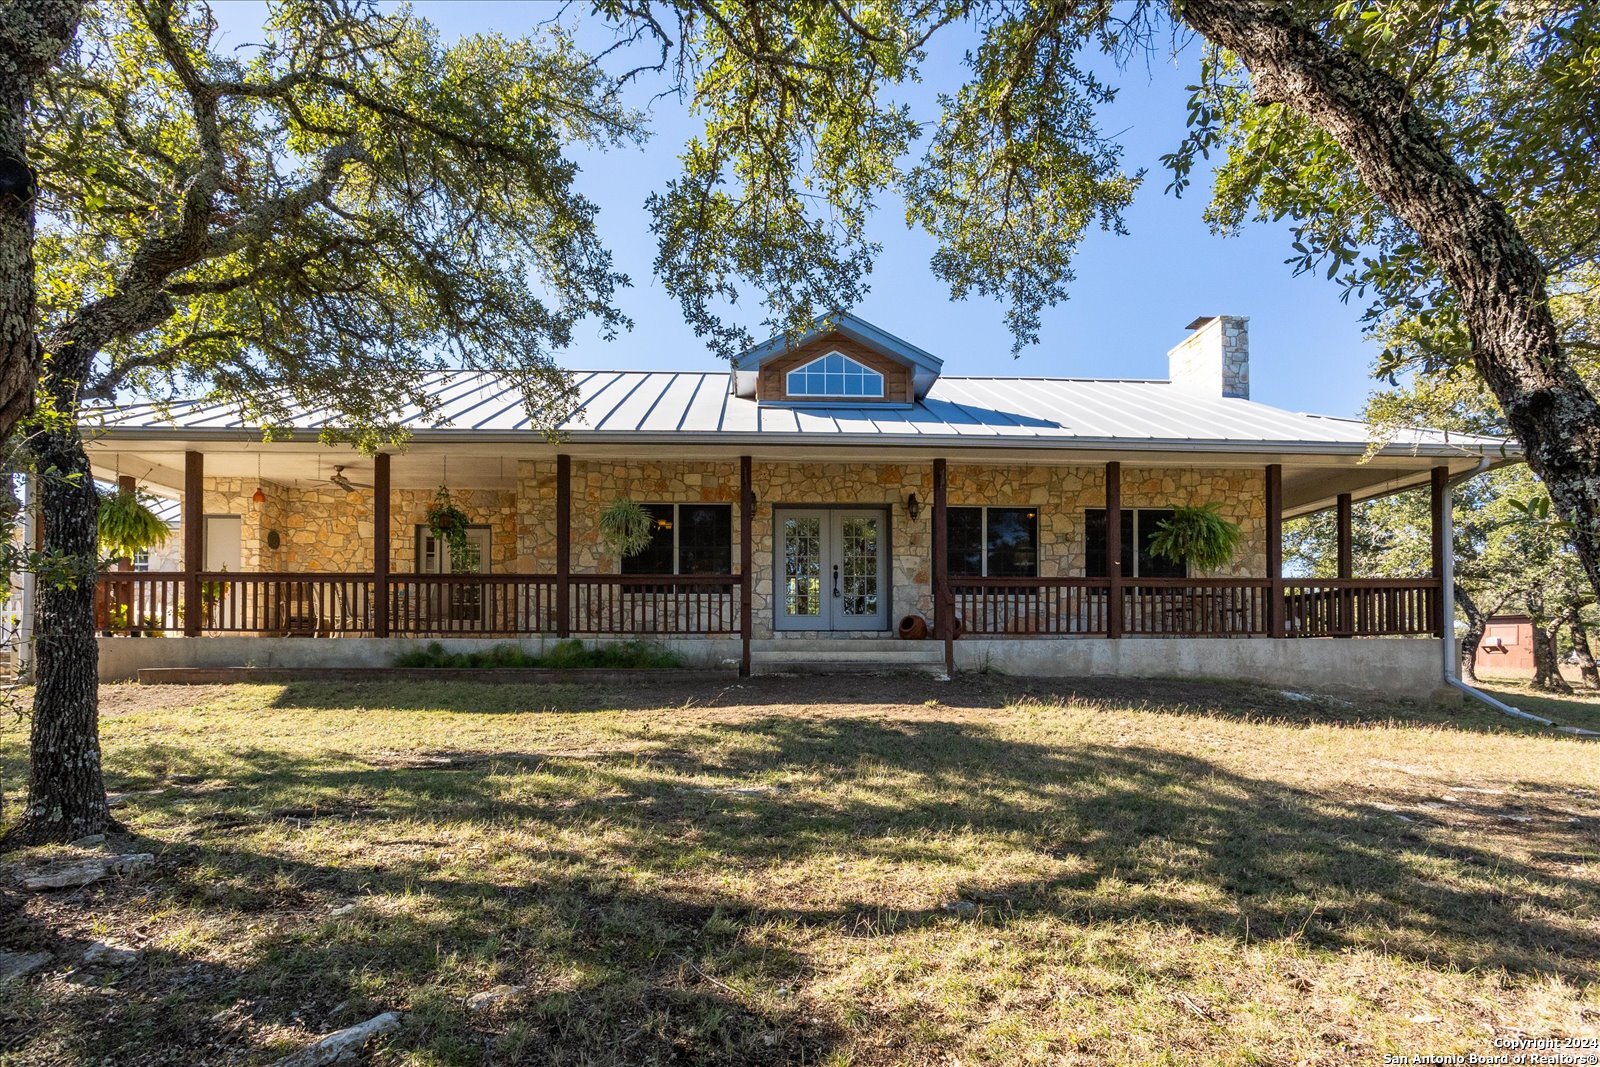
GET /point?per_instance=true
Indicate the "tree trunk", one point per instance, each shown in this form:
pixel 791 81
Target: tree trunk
pixel 1477 623
pixel 33 34
pixel 1494 272
pixel 1580 647
pixel 1546 670
pixel 66 793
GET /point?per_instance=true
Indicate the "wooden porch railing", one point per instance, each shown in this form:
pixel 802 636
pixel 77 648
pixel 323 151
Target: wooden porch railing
pixel 1361 607
pixel 149 602
pixel 1198 607
pixel 318 604
pixel 326 604
pixel 469 604
pixel 998 606
pixel 650 605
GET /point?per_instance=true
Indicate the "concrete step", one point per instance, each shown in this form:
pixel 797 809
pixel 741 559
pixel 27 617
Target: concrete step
pixel 883 646
pixel 845 656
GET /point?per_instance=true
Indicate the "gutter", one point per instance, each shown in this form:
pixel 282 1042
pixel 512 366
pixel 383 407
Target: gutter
pixel 1447 592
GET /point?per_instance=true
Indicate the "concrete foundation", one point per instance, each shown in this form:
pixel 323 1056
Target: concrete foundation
pixel 122 657
pixel 1404 667
pixel 1389 667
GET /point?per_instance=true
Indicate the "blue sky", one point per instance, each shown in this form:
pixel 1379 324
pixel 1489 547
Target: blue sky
pixel 1131 301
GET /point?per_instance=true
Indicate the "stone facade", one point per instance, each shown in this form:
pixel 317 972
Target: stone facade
pixel 1215 359
pixel 326 529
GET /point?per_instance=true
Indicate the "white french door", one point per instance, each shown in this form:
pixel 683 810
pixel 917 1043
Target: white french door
pixel 832 568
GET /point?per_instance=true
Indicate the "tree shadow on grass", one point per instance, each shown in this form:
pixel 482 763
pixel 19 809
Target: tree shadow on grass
pixel 599 879
pixel 974 693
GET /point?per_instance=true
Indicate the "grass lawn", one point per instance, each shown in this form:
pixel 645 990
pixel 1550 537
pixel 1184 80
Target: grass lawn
pixel 820 870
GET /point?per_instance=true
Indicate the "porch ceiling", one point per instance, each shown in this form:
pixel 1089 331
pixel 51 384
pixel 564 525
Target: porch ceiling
pixel 1310 483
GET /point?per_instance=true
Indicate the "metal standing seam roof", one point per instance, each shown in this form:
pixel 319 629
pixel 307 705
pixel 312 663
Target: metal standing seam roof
pixel 698 407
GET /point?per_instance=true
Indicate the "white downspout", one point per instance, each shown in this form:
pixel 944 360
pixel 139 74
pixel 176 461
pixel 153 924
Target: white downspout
pixel 30 582
pixel 1447 605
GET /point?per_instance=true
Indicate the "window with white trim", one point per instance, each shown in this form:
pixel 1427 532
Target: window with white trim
pixel 834 374
pixel 994 542
pixel 686 539
pixel 1139 528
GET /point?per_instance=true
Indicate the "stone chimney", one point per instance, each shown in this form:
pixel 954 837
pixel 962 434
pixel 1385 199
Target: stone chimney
pixel 1214 360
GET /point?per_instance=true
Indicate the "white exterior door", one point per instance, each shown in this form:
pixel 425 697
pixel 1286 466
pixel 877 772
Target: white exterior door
pixel 832 569
pixel 224 537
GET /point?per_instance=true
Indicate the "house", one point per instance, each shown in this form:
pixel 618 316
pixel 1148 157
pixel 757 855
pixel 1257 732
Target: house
pixel 805 501
pixel 1507 646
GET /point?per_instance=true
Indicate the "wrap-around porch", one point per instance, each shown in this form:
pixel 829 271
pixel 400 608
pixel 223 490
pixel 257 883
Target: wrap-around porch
pixel 1073 588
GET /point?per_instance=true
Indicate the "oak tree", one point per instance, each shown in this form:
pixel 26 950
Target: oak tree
pixel 1421 149
pixel 322 219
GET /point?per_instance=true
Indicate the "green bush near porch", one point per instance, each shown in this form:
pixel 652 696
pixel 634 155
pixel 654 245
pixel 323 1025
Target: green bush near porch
pixel 567 655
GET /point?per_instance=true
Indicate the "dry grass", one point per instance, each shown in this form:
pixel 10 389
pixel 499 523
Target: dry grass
pixel 824 871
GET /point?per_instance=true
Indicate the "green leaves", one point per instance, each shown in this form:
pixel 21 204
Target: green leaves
pixel 803 134
pixel 328 219
pixel 1198 536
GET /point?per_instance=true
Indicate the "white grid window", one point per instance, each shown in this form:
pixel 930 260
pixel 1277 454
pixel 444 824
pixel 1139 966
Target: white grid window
pixel 835 374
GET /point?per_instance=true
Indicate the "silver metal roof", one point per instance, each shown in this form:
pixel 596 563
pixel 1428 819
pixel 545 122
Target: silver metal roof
pixel 698 407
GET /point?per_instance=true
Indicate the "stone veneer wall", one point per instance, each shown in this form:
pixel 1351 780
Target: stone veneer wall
pixel 1062 495
pixel 325 529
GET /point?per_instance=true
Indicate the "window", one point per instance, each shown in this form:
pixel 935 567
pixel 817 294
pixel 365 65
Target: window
pixel 992 542
pixel 1139 527
pixel 687 539
pixel 141 560
pixel 433 556
pixel 834 374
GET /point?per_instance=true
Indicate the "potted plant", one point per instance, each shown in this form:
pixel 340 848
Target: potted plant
pixel 212 593
pixel 127 525
pixel 626 528
pixel 1198 537
pixel 448 524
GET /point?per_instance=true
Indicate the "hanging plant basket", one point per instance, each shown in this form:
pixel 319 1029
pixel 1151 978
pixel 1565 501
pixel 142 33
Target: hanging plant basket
pixel 449 524
pixel 128 526
pixel 626 528
pixel 1199 537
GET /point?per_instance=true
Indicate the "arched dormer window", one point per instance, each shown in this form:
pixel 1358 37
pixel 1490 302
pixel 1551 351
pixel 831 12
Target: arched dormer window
pixel 834 374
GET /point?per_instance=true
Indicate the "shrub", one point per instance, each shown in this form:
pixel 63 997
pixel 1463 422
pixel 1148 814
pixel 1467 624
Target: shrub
pixel 568 655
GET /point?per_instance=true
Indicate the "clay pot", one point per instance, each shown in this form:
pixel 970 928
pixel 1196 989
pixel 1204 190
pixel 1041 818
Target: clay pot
pixel 913 628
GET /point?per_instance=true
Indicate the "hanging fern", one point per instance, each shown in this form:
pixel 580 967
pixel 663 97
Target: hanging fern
pixel 449 524
pixel 128 526
pixel 1198 536
pixel 626 528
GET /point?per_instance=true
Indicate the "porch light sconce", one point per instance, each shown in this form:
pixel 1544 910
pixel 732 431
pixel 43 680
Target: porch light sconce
pixel 913 505
pixel 258 496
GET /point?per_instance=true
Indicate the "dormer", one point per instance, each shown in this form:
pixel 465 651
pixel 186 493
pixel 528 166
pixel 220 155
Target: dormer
pixel 845 361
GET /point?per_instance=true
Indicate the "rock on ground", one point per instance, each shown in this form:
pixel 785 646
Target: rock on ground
pixel 342 1043
pixel 14 965
pixel 82 872
pixel 110 955
pixel 490 997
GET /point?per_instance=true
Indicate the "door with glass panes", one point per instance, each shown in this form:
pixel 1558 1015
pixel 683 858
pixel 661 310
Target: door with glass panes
pixel 832 568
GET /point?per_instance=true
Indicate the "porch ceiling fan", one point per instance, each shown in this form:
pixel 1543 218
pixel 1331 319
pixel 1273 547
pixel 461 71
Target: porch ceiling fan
pixel 339 478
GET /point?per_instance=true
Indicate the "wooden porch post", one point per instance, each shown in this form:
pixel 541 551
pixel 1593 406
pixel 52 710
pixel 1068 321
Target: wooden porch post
pixel 1345 598
pixel 380 544
pixel 1275 627
pixel 126 483
pixel 1345 538
pixel 1438 481
pixel 1114 549
pixel 194 470
pixel 747 507
pixel 943 602
pixel 563 545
